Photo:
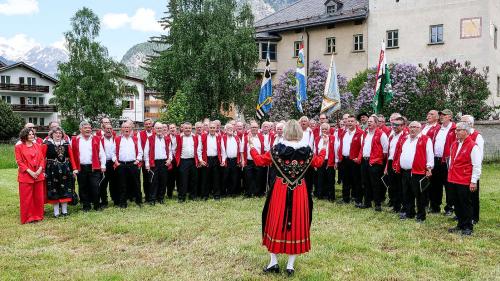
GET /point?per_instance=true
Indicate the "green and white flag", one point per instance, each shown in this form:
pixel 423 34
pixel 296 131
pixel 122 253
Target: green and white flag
pixel 383 86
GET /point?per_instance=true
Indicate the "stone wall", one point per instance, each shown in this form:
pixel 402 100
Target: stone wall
pixel 490 130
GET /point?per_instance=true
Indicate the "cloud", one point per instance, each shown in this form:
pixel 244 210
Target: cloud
pixel 143 20
pixel 16 46
pixel 60 44
pixel 18 7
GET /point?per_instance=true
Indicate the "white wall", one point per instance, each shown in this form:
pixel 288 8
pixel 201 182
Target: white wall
pixel 137 113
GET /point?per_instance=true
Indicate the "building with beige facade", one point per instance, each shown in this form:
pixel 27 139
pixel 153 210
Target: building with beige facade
pixel 415 31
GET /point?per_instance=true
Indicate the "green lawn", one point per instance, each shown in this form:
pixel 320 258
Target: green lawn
pixel 221 241
pixel 7 159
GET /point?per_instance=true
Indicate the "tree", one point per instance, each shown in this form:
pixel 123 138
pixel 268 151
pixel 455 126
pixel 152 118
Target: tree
pixel 11 122
pixel 211 56
pixel 90 83
pixel 177 110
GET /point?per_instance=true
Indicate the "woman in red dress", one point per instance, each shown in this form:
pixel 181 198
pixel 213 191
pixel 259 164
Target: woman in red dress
pixel 287 213
pixel 31 163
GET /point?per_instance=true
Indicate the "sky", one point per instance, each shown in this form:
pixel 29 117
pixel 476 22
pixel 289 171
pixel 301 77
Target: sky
pixel 124 23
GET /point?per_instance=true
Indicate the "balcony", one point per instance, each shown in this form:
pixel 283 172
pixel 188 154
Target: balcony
pixel 155 103
pixel 24 88
pixel 34 107
pixel 152 115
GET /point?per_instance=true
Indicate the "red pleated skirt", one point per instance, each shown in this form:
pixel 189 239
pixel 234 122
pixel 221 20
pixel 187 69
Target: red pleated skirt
pixel 279 239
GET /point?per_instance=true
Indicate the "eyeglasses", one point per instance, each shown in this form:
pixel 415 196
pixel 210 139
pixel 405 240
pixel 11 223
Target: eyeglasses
pixel 395 124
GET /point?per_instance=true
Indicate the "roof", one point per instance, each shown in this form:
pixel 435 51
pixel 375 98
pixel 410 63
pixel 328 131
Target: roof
pixel 132 78
pixel 267 36
pixel 305 13
pixel 29 67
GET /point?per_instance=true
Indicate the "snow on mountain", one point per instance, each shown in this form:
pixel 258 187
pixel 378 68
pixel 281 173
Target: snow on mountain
pixel 44 59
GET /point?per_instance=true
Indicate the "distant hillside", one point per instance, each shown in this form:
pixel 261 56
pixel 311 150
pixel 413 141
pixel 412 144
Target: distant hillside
pixel 134 58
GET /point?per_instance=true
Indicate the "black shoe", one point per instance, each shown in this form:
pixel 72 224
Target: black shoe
pixel 273 269
pixel 378 208
pixel 455 229
pixel 161 202
pixel 151 203
pixel 420 220
pixel 467 232
pixel 181 200
pixel 455 218
pixel 448 213
pixel 64 214
pixel 56 216
pixel 123 206
pixel 290 272
pixel 104 205
pixel 475 221
pixel 434 211
pixel 217 198
pixel 139 204
pixel 402 216
pixel 364 206
pixel 396 210
pixel 358 205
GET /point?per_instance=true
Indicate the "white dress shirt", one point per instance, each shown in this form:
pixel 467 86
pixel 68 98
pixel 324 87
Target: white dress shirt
pixel 476 160
pixel 441 140
pixel 173 143
pixel 393 143
pixel 160 150
pixel 267 142
pixel 480 143
pixel 321 146
pixel 408 153
pixel 85 146
pixel 277 140
pixel 256 145
pixel 211 145
pixel 346 142
pixel 110 148
pixel 188 148
pixel 127 150
pixel 231 149
pixel 308 138
pixel 367 147
pixel 427 127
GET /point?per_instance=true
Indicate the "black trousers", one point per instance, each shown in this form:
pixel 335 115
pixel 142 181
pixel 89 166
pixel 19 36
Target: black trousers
pixel 231 177
pixel 110 180
pixel 395 193
pixel 146 184
pixel 351 182
pixel 211 178
pixel 340 177
pixel 325 187
pixel 370 178
pixel 130 183
pixel 462 196
pixel 310 178
pixel 254 179
pixel 475 204
pixel 188 177
pixel 88 187
pixel 439 180
pixel 159 179
pixel 173 178
pixel 411 192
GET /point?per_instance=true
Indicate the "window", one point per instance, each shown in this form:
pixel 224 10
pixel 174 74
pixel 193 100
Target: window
pixel 146 110
pixel 358 42
pixel 498 86
pixel 272 51
pixel 31 81
pixel 4 79
pixel 331 8
pixel 21 80
pixel 42 121
pixel 330 45
pixel 6 99
pixel 31 100
pixel 41 101
pixel 495 37
pixel 470 28
pixel 296 48
pixel 436 34
pixel 33 120
pixel 129 104
pixel 392 38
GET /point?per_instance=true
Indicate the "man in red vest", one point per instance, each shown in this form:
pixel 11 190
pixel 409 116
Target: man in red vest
pixel 443 138
pixel 465 170
pixel 414 160
pixel 188 155
pixel 432 126
pixel 349 147
pixel 382 126
pixel 173 172
pixel 104 121
pixel 325 184
pixel 146 176
pixel 211 153
pixel 394 181
pixel 478 138
pixel 110 177
pixel 158 158
pixel 339 133
pixel 254 176
pixel 231 161
pixel 374 145
pixel 90 161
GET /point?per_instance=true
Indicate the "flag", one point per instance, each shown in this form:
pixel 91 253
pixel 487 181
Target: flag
pixel 301 79
pixel 331 95
pixel 264 103
pixel 383 86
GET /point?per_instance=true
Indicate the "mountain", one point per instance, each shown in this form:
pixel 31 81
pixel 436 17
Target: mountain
pixel 6 61
pixel 260 8
pixel 134 58
pixel 44 59
pixel 280 4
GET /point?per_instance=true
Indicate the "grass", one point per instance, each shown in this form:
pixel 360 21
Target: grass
pixel 7 159
pixel 221 241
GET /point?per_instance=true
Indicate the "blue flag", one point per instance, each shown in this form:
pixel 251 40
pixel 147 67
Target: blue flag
pixel 301 79
pixel 331 95
pixel 265 101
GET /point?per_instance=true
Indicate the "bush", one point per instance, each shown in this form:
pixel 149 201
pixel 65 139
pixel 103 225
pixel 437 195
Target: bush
pixel 11 123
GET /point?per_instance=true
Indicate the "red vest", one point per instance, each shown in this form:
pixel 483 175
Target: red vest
pixel 96 148
pixel 331 148
pixel 224 139
pixel 144 137
pixel 117 142
pixel 179 148
pixel 100 133
pixel 460 171
pixel 204 138
pixel 432 133
pixel 474 135
pixel 245 146
pixel 397 151
pixel 376 152
pixel 355 144
pixel 451 137
pixel 385 129
pixel 419 161
pixel 152 148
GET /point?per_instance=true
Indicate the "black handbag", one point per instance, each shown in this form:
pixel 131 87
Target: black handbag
pixel 74 199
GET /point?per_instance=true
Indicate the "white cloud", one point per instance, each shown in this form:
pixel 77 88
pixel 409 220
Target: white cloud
pixel 60 44
pixel 16 46
pixel 18 7
pixel 143 20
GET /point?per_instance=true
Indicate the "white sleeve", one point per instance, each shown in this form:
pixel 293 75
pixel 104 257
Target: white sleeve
pixel 199 150
pixel 102 156
pixel 475 156
pixel 385 143
pixel 480 144
pixel 113 152
pixel 337 147
pixel 146 153
pixel 139 151
pixel 430 154
pixel 223 150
